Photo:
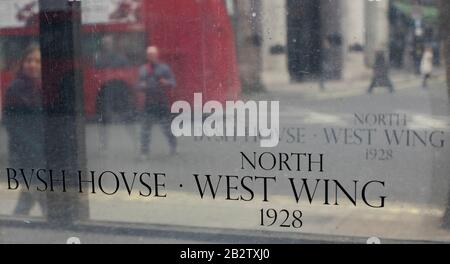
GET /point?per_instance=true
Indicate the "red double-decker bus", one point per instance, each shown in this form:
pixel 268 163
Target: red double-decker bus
pixel 195 38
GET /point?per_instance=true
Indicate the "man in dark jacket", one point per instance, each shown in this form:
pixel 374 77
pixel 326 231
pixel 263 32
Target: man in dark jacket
pixel 381 73
pixel 156 78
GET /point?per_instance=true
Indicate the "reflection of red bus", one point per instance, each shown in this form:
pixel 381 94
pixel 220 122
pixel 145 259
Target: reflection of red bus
pixel 195 38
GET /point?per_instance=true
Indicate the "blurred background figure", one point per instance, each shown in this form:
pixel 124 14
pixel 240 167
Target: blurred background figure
pixel 155 78
pixel 381 73
pixel 24 120
pixel 417 51
pixel 397 48
pixel 324 67
pixel 110 56
pixel 426 66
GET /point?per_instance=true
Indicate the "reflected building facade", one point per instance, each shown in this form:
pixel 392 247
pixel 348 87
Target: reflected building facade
pixel 300 40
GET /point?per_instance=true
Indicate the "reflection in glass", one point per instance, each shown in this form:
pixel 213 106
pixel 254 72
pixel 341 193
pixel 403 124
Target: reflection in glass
pixel 361 82
pixel 23 118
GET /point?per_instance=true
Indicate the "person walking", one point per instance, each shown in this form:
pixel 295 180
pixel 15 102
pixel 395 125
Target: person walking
pixel 426 66
pixel 24 122
pixel 156 78
pixel 381 74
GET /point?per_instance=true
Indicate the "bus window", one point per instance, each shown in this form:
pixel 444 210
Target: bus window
pixel 108 50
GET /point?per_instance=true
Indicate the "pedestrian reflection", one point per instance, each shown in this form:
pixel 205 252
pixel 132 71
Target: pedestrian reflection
pixel 155 78
pixel 23 119
pixel 381 73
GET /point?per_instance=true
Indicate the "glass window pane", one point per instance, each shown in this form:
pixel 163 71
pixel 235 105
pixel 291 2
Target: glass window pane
pixel 290 117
